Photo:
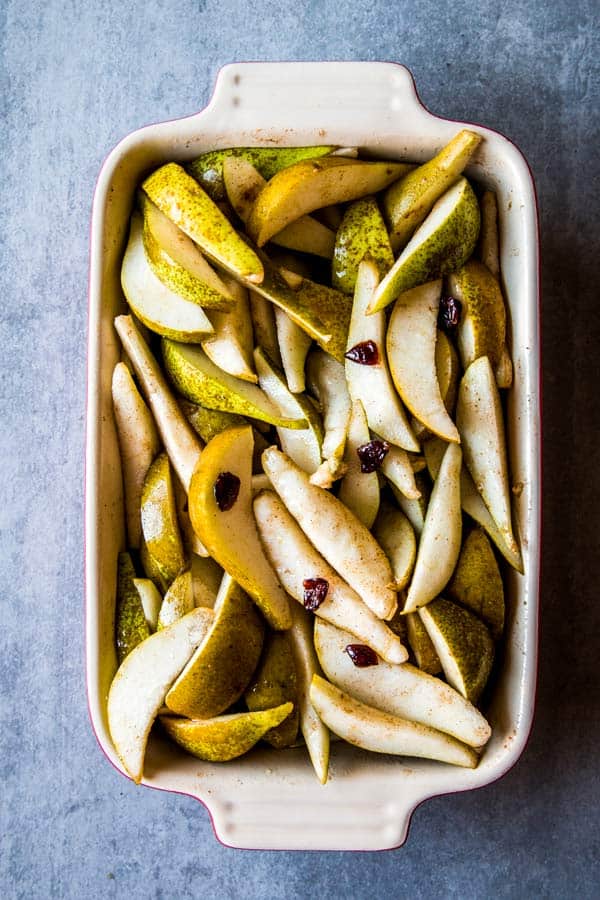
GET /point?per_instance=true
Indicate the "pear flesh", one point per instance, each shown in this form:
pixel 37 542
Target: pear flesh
pixel 295 559
pixel 207 576
pixel 396 536
pixel 294 345
pixel 327 381
pixel 381 732
pixel 414 508
pixel 362 233
pixel 178 601
pixel 477 583
pixel 448 372
pixel 160 527
pixel 397 468
pixel 359 490
pixel 138 690
pixel 274 682
pixel 403 691
pixel 131 625
pixel 335 532
pixel 422 646
pixel 151 600
pixel 230 346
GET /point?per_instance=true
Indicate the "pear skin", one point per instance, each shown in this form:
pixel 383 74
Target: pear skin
pixel 160 527
pixel 482 326
pixel 477 583
pixel 361 234
pixel 178 601
pixel 131 625
pixel 275 682
pixel 421 645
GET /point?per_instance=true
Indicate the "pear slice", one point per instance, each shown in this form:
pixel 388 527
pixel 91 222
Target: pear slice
pixel 448 371
pixel 263 325
pixel 224 737
pixel 139 688
pixel 482 326
pixel 371 729
pixel 178 262
pixel 316 735
pixel 331 307
pixel 181 444
pixel 131 625
pixel 422 646
pixel 230 346
pixel 160 527
pixel 362 234
pixel 359 490
pixel 178 601
pixel 206 580
pixel 489 244
pixel 440 541
pixel 231 534
pixel 396 536
pixel 414 508
pixel 182 199
pixel 151 600
pixel 295 560
pixel 407 202
pixel 138 445
pixel 156 305
pixel 294 345
pixel 398 469
pixel 481 425
pixel 372 384
pixel 504 370
pixel 220 669
pixel 327 381
pixel 275 682
pixel 411 341
pixel 403 691
pixel 201 381
pixel 304 447
pixel 209 422
pixel 335 532
pixel 463 644
pixel 306 186
pixel 442 244
pixel 477 583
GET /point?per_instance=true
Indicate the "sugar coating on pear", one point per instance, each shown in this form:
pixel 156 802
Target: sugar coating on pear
pixel 160 526
pixel 362 234
pixel 131 626
pixel 482 326
pixel 275 681
pixel 477 583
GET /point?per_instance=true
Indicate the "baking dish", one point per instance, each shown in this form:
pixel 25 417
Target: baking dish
pixel 271 799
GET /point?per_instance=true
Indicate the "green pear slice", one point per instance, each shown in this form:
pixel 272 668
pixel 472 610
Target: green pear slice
pixel 182 199
pixel 178 601
pixel 220 669
pixel 335 532
pixel 208 168
pixel 207 576
pixel 489 244
pixel 230 346
pixel 316 735
pixel 294 345
pixel 481 425
pixel 442 244
pixel 408 201
pixel 179 439
pixel 310 185
pixel 156 305
pixel 397 468
pixel 274 682
pixel 477 583
pixel 372 384
pixel 482 326
pixel 131 627
pixel 371 729
pixel 231 535
pixel 222 738
pixel 209 422
pixel 439 545
pixel 198 379
pixel 359 490
pixel 264 327
pixel 362 233
pixel 448 371
pixel 178 262
pixel 295 559
pixel 151 600
pixel 138 445
pixel 411 342
pixel 463 644
pixel 328 305
pixel 396 536
pixel 421 645
pixel 139 688
pixel 160 527
pixel 403 691
pixel 304 447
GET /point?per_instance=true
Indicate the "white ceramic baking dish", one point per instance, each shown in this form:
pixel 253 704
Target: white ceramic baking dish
pixel 272 799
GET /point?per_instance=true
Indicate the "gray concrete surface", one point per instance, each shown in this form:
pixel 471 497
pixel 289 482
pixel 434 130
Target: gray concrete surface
pixel 75 78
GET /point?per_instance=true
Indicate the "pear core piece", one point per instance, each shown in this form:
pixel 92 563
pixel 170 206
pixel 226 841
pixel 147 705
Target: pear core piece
pixel 231 536
pixel 362 234
pixel 139 688
pixel 131 625
pixel 477 583
pixel 160 527
pixel 275 682
pixel 482 326
pixel 359 490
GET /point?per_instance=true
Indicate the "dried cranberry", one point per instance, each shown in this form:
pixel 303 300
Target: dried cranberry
pixel 315 591
pixel 449 314
pixel 365 354
pixel 227 488
pixel 371 455
pixel 361 655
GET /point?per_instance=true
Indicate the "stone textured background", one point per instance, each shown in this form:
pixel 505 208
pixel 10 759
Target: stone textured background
pixel 78 76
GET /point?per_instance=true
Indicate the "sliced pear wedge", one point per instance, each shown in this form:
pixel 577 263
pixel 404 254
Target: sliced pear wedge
pixel 207 576
pixel 155 304
pixel 489 244
pixel 396 536
pixel 411 341
pixel 230 346
pixel 477 583
pixel 182 199
pixel 448 371
pixel 310 185
pixel 421 645
pixel 295 560
pixel 294 345
pixel 160 527
pixel 220 669
pixel 138 445
pixel 359 490
pixel 371 729
pixel 224 737
pixel 327 381
pixel 397 468
pixel 139 688
pixel 335 532
pixel 482 326
pixel 403 691
pixel 332 308
pixel 263 325
pixel 372 384
pixel 442 244
pixel 151 600
pixel 362 233
pixel 209 422
pixel 131 626
pixel 230 534
pixel 414 508
pixel 439 546
pixel 178 601
pixel 274 682
pixel 463 644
